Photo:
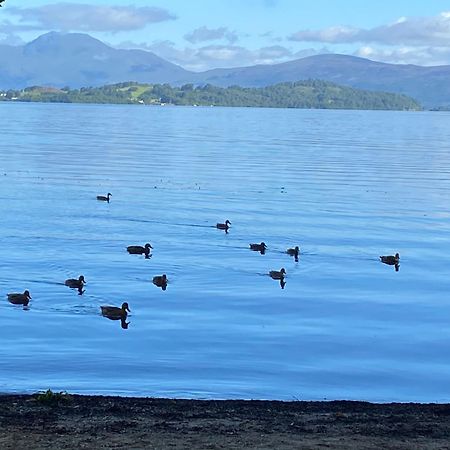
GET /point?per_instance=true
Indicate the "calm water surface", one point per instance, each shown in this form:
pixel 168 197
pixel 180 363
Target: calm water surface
pixel 347 186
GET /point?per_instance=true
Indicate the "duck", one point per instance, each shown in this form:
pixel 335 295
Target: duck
pixel 160 281
pixel 19 299
pixel 114 312
pixel 278 274
pixel 139 250
pixel 76 284
pixel 258 247
pixel 293 251
pixel 223 226
pixel 102 198
pixel 391 260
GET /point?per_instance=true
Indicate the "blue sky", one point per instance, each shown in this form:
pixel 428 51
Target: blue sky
pixel 203 34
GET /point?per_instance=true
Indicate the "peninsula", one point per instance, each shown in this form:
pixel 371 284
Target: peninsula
pixel 312 94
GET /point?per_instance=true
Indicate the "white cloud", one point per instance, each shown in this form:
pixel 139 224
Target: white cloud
pixel 422 31
pixel 203 34
pixel 82 17
pixel 10 39
pixel 223 56
pixel 421 56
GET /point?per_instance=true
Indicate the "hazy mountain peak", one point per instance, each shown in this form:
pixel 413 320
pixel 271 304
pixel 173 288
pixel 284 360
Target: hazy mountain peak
pixel 55 41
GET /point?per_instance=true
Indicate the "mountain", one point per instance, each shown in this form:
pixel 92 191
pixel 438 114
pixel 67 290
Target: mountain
pixel 78 60
pixel 428 85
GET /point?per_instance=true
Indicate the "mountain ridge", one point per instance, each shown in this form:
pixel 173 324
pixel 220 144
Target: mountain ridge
pixel 79 60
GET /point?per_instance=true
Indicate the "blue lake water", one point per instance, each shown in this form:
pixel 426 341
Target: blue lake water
pixel 346 186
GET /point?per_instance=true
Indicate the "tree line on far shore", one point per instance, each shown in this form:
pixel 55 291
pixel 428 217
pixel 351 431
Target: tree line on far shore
pixel 302 94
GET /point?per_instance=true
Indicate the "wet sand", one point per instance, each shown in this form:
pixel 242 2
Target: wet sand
pixel 95 422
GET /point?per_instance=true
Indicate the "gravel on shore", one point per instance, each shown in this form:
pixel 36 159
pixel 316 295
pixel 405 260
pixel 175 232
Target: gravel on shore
pixel 57 421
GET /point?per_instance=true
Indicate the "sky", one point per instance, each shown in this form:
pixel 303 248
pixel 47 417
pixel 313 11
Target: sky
pixel 205 34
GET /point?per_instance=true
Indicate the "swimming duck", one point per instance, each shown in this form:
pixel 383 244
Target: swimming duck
pixel 114 312
pixel 102 198
pixel 258 247
pixel 391 260
pixel 76 284
pixel 293 251
pixel 223 226
pixel 160 281
pixel 277 275
pixel 19 299
pixel 139 250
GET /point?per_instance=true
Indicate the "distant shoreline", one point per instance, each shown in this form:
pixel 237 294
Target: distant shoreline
pixel 76 421
pixel 308 94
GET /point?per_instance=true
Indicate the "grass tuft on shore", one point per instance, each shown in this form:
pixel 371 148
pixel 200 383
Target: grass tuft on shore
pixel 50 398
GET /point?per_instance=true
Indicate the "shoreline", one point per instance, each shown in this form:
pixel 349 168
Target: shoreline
pixel 52 420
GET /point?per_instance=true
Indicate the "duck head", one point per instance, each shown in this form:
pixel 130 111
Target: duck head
pixel 81 279
pixel 125 307
pixel 27 294
pixel 147 248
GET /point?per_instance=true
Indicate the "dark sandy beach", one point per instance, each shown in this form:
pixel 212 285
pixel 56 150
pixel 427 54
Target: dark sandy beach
pixel 93 422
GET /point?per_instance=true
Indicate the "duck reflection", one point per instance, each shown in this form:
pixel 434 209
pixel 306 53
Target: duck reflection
pixel 81 291
pixel 161 281
pixel 282 283
pixel 124 324
pixel 123 321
